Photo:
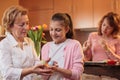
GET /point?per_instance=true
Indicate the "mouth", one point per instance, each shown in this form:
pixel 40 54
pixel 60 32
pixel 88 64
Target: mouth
pixel 104 32
pixel 55 37
pixel 25 33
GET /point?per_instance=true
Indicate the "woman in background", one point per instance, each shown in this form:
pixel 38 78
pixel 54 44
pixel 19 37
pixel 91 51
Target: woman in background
pixel 18 59
pixel 104 45
pixel 65 51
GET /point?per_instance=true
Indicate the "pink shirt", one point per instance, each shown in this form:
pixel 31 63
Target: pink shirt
pixel 73 55
pixel 97 52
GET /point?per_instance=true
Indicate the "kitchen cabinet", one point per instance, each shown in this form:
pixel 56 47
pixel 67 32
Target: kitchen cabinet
pixel 102 7
pixel 40 11
pixel 4 4
pixel 83 13
pixel 117 6
pixel 87 13
pixel 64 6
pixel 37 4
pixel 40 17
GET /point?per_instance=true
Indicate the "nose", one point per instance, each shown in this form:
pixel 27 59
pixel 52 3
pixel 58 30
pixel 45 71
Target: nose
pixel 26 26
pixel 105 28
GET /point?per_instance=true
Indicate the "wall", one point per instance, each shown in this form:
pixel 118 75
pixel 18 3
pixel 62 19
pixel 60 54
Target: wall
pixel 3 5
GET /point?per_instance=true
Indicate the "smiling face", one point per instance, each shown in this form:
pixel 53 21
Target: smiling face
pixel 106 29
pixel 20 27
pixel 58 31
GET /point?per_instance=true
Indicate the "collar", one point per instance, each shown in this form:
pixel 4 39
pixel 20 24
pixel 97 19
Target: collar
pixel 12 40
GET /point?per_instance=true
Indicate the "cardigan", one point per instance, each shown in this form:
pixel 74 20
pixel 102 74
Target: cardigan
pixel 73 57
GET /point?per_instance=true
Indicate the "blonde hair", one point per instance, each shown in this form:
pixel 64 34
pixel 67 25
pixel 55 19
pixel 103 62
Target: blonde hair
pixel 10 15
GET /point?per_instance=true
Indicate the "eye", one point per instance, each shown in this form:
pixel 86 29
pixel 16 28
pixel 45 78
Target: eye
pixel 23 24
pixel 58 30
pixel 27 23
pixel 103 25
pixel 110 27
pixel 50 29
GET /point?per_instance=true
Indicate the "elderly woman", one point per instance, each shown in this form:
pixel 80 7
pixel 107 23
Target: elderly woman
pixel 18 60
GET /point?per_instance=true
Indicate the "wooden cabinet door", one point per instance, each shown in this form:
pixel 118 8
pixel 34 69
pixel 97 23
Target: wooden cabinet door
pixel 37 4
pixel 40 11
pixel 102 7
pixel 4 4
pixel 64 6
pixel 117 5
pixel 83 13
pixel 40 17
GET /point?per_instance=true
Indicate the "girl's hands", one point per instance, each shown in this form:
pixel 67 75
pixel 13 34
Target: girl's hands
pixel 66 73
pixel 52 65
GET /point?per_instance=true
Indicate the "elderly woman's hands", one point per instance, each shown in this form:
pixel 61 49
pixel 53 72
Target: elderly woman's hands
pixel 41 70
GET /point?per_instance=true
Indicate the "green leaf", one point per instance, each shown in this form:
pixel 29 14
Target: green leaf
pixel 35 35
pixel 31 35
pixel 38 38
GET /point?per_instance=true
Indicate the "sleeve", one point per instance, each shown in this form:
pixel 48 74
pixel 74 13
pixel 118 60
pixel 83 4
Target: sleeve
pixel 78 57
pixel 44 52
pixel 88 53
pixel 45 56
pixel 118 48
pixel 116 51
pixel 6 66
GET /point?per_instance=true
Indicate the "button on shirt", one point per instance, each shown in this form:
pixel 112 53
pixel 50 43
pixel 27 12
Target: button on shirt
pixel 13 59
